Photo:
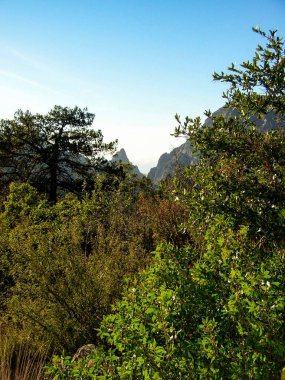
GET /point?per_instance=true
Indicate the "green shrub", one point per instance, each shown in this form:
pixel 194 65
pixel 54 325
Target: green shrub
pixel 63 265
pixel 221 317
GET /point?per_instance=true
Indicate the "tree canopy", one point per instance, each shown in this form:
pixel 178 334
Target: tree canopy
pixel 241 170
pixel 257 86
pixel 52 152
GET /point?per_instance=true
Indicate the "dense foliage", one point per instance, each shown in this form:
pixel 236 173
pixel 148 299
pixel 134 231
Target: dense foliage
pixel 62 265
pixel 215 307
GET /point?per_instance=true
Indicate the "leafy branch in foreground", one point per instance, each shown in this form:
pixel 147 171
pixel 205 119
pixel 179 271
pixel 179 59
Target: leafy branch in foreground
pixel 257 87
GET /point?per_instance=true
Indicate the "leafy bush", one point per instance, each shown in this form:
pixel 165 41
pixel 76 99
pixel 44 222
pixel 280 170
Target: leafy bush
pixel 221 316
pixel 63 265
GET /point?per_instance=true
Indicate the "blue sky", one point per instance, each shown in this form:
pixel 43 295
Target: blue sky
pixel 132 63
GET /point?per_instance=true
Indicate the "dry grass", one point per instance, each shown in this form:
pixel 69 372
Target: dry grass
pixel 18 361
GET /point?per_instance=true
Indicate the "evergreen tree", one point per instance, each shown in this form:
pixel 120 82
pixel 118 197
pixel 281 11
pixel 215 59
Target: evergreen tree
pixel 52 152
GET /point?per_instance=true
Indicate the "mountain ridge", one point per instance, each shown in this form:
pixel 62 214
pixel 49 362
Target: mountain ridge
pixel 183 155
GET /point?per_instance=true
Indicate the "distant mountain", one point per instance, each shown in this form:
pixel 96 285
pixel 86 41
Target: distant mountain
pixel 121 156
pixel 169 162
pixel 183 155
pixel 270 121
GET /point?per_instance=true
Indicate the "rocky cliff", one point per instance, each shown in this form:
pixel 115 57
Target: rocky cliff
pixel 183 155
pixel 121 156
pixel 169 162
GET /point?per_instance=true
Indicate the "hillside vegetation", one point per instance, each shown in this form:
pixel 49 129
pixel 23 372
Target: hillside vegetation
pixel 184 281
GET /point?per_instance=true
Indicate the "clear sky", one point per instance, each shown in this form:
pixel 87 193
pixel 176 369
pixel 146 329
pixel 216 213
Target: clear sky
pixel 134 63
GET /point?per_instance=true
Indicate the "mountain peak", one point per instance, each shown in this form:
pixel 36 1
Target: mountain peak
pixel 121 156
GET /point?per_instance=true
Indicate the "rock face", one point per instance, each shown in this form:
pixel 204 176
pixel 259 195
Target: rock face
pixel 183 155
pixel 121 156
pixel 270 121
pixel 170 162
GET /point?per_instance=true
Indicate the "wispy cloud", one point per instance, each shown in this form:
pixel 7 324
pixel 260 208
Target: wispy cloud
pixel 24 58
pixel 33 64
pixel 10 74
pixel 28 59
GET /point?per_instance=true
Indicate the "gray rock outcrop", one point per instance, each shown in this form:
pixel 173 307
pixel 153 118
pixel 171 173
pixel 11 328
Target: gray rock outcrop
pixel 121 156
pixel 168 163
pixel 183 155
